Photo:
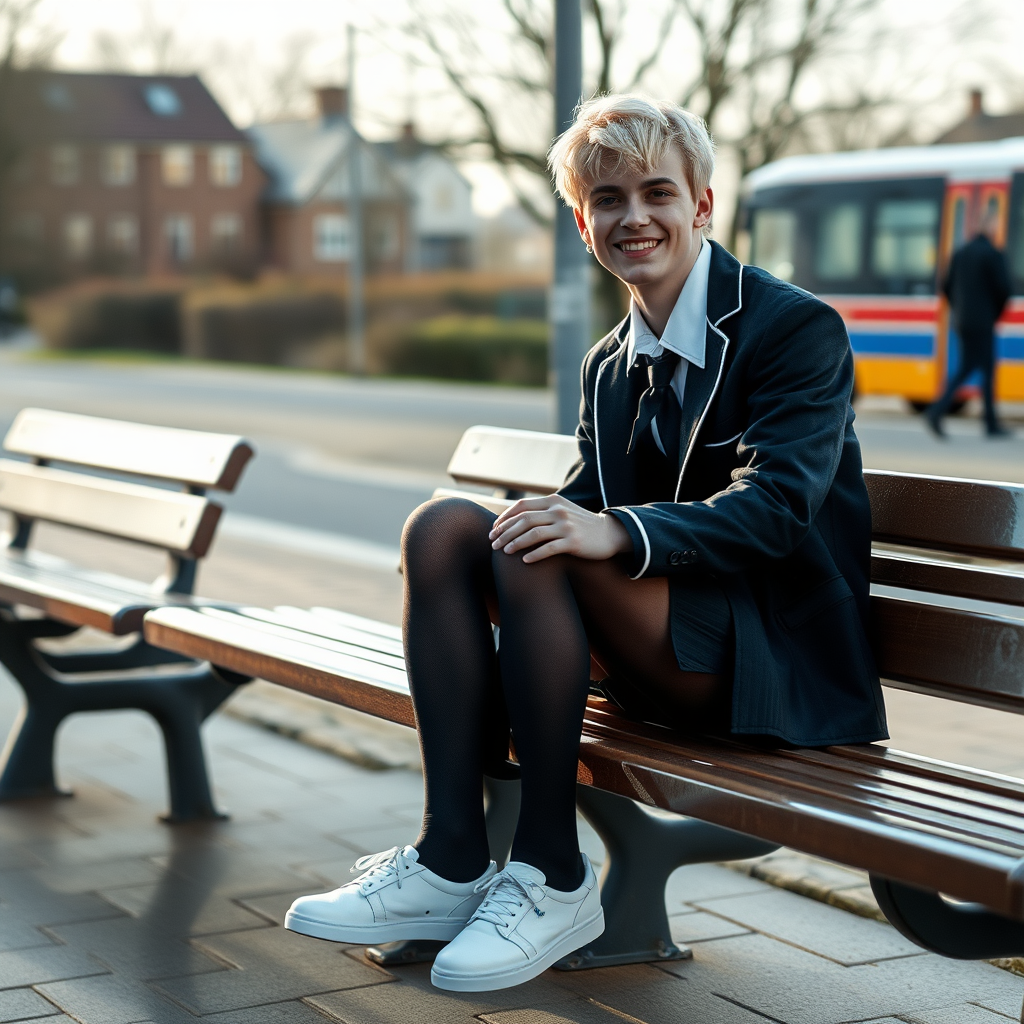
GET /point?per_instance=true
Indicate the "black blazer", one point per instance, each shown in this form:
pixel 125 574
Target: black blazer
pixel 977 286
pixel 770 499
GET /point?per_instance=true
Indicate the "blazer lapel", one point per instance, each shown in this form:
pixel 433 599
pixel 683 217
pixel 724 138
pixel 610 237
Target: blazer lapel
pixel 725 281
pixel 614 412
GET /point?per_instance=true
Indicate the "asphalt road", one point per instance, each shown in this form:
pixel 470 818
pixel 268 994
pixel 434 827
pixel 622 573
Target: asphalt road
pixel 354 457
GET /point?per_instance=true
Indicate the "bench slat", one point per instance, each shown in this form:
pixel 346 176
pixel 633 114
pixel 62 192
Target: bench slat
pixel 865 806
pixel 938 574
pixel 79 597
pixel 975 516
pixel 947 652
pixel 523 460
pixel 181 523
pixel 189 456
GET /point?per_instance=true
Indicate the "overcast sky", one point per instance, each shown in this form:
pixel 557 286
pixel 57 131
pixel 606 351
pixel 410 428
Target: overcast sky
pixel 239 43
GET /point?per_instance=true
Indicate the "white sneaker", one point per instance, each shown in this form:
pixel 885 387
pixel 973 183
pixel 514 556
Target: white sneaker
pixel 521 929
pixel 395 898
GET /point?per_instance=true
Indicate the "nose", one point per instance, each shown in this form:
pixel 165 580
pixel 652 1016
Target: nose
pixel 634 215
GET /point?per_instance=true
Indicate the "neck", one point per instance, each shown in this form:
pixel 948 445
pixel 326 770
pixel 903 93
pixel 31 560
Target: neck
pixel 657 299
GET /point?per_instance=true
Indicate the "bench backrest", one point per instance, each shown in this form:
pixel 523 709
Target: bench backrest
pixel 937 540
pixel 181 522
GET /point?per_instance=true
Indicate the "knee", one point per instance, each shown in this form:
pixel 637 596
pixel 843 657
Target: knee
pixel 443 527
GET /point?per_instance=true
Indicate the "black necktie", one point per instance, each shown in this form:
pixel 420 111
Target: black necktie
pixel 659 400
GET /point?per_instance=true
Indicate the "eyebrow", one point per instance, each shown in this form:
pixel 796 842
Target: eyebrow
pixel 647 183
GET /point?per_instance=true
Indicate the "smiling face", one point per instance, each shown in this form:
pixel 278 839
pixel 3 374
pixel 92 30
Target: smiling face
pixel 645 226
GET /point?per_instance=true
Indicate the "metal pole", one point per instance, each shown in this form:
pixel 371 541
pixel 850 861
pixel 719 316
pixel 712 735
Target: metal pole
pixel 570 295
pixel 356 269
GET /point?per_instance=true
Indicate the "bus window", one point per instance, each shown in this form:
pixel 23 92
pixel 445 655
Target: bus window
pixel 1015 234
pixel 840 229
pixel 905 242
pixel 774 241
pixel 959 223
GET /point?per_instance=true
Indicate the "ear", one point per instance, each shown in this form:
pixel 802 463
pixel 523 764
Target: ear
pixel 705 207
pixel 581 224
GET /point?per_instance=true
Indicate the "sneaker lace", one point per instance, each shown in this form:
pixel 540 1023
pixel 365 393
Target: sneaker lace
pixel 505 895
pixel 378 866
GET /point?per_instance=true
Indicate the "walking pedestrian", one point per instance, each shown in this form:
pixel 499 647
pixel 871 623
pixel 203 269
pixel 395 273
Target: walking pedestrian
pixel 977 287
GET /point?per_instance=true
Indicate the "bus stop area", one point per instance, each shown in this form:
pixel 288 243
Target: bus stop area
pixel 109 915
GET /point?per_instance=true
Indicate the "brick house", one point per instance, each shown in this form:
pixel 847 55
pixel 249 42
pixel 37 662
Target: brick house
pixel 306 205
pixel 126 174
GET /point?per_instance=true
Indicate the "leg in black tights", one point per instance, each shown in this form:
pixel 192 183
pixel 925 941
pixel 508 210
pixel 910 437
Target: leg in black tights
pixel 551 613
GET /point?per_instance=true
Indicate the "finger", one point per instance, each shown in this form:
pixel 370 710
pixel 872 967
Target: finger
pixel 554 547
pixel 532 537
pixel 514 527
pixel 527 505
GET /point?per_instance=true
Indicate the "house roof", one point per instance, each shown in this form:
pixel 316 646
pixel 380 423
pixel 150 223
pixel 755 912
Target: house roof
pixel 68 106
pixel 982 127
pixel 308 159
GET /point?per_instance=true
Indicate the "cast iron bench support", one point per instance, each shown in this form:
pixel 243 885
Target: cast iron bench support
pixel 179 702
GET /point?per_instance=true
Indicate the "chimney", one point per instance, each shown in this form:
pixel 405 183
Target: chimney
pixel 976 109
pixel 409 131
pixel 332 102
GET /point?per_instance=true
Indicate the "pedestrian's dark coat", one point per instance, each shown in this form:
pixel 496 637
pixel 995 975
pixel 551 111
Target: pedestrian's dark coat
pixel 770 500
pixel 977 286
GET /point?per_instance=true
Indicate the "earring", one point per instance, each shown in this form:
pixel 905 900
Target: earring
pixel 590 248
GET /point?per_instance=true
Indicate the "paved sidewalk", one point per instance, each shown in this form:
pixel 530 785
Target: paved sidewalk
pixel 110 917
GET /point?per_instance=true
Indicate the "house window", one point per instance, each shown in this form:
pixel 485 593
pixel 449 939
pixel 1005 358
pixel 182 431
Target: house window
pixel 226 165
pixel 64 165
pixel 226 232
pixel 177 166
pixel 178 229
pixel 123 234
pixel 331 241
pixel 118 165
pixel 78 236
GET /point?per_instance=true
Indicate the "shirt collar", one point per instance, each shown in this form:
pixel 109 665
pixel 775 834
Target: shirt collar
pixel 685 332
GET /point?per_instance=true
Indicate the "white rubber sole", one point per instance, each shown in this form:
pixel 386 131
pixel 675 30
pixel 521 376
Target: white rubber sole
pixel 572 940
pixel 371 935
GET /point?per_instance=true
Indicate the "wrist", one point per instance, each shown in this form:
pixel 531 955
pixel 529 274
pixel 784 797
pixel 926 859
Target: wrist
pixel 619 536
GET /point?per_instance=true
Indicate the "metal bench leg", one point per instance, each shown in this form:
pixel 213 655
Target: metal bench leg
pixel 139 655
pixel 643 850
pixel 501 797
pixel 179 703
pixel 962 931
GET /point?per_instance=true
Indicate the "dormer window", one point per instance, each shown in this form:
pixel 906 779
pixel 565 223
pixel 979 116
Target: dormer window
pixel 162 100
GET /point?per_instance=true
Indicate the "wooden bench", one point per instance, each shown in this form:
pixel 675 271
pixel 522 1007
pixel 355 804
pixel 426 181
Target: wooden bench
pixel 919 826
pixel 179 521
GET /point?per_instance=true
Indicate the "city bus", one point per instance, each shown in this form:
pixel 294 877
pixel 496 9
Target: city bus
pixel 872 233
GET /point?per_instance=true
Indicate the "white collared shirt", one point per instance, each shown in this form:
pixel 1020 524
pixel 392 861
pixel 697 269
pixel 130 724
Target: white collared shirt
pixel 684 333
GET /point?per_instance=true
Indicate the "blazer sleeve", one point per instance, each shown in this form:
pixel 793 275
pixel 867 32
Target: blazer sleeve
pixel 583 483
pixel 799 383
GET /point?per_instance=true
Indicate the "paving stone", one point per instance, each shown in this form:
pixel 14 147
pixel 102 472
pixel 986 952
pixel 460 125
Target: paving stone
pixel 24 1004
pixel 276 1013
pixel 696 883
pixel 135 948
pixel 788 984
pixel 213 913
pixel 33 903
pixel 966 1013
pixel 113 999
pixel 19 968
pixel 638 993
pixel 89 877
pixel 698 926
pixel 584 1012
pixel 272 908
pixel 232 873
pixel 415 999
pixel 373 840
pixel 814 926
pixel 272 965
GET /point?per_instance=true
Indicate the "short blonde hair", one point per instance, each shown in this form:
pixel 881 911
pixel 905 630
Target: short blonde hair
pixel 631 131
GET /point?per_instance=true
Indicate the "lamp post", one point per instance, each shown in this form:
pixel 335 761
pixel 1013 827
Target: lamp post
pixel 569 308
pixel 356 299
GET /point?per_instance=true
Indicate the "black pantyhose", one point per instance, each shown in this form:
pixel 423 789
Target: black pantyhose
pixel 454 584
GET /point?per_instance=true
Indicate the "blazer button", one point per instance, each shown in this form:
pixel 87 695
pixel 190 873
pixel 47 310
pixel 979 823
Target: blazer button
pixel 675 558
pixel 690 556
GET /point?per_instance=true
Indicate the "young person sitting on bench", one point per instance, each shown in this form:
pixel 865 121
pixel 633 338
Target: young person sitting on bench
pixel 710 548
